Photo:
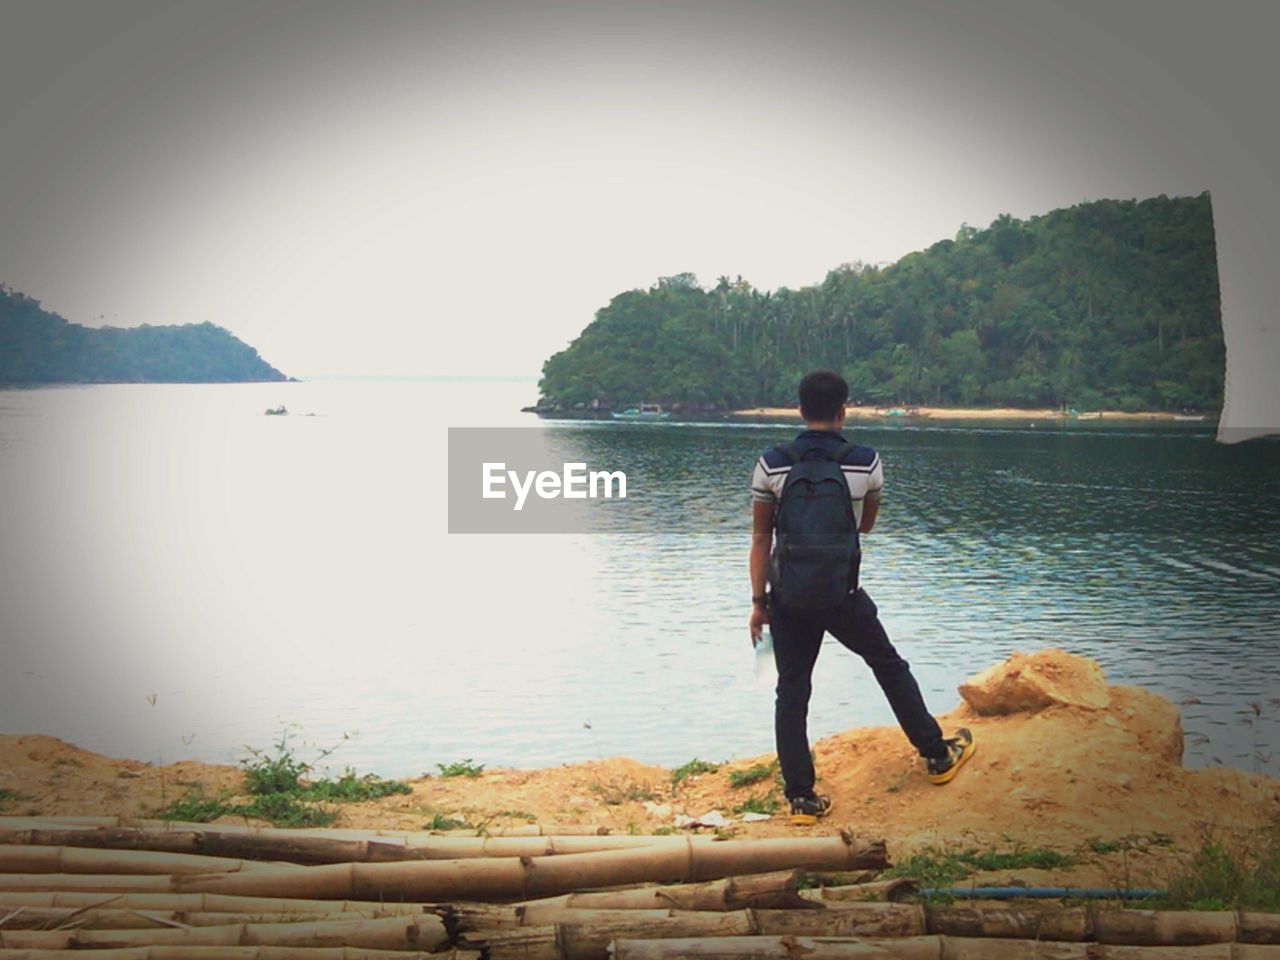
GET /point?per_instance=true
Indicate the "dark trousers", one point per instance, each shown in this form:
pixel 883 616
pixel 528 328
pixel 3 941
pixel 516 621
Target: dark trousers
pixel 797 637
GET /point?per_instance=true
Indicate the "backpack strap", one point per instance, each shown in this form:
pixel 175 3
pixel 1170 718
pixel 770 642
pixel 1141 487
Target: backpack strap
pixel 790 450
pixel 840 452
pixel 794 452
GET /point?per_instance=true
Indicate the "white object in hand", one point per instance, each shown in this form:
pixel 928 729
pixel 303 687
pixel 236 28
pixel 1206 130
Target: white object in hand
pixel 766 667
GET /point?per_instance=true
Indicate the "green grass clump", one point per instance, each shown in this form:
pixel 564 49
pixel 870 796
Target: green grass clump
pixel 440 821
pixel 766 805
pixel 1240 871
pixel 462 768
pixel 8 796
pixel 277 794
pixel 615 793
pixel 937 867
pixel 195 806
pixel 350 788
pixel 691 769
pixel 287 810
pixel 751 775
pixel 266 774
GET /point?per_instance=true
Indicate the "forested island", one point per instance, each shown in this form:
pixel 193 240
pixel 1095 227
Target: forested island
pixel 1112 303
pixel 38 347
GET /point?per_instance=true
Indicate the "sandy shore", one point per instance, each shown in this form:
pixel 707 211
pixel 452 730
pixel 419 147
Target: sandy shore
pixel 970 413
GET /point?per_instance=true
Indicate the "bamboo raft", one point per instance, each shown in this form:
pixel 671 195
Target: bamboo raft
pixel 144 890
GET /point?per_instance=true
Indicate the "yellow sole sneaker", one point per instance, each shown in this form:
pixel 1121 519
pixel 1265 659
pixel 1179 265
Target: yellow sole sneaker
pixel 805 813
pixel 959 749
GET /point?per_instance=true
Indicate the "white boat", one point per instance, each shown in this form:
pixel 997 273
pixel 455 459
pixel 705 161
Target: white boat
pixel 1188 417
pixel 646 411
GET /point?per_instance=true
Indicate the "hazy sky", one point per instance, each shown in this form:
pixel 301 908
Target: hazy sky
pixel 396 187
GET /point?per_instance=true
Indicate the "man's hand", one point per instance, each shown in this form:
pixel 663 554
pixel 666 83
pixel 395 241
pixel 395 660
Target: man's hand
pixel 759 617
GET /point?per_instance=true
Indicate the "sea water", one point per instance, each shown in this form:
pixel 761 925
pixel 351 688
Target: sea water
pixel 182 576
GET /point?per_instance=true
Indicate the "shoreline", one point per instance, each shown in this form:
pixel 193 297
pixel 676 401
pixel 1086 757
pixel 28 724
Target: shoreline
pixel 982 413
pixel 1067 763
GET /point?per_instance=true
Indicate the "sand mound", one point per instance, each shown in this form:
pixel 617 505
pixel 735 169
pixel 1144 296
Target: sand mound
pixel 1025 684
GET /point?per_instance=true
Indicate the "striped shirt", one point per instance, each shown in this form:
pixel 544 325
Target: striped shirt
pixel 860 465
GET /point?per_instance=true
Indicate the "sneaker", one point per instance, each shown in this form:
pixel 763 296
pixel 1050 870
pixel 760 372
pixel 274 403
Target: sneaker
pixel 959 749
pixel 805 811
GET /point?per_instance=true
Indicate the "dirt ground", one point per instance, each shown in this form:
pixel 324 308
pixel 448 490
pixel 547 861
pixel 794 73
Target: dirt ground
pixel 1064 762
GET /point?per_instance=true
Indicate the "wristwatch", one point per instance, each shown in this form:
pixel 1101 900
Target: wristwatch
pixel 762 599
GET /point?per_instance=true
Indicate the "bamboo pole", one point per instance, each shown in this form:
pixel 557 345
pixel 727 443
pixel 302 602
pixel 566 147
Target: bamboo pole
pixel 394 933
pixel 590 941
pixel 931 947
pixel 1014 922
pixel 224 953
pixel 893 890
pixel 977 948
pixel 851 920
pixel 115 918
pixel 500 878
pixel 88 882
pixel 472 917
pixel 1258 927
pixel 776 890
pixel 1163 927
pixel 782 948
pixel 202 903
pixel 18 824
pixel 587 938
pixel 66 859
pixel 294 847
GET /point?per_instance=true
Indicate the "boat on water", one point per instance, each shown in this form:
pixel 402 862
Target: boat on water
pixel 646 411
pixel 1184 417
pixel 1092 415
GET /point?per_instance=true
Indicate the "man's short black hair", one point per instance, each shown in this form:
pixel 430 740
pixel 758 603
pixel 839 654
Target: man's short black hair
pixel 822 394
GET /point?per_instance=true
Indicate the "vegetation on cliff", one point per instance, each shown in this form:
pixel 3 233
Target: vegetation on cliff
pixel 1104 304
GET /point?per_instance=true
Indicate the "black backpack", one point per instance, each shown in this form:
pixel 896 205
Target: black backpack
pixel 816 551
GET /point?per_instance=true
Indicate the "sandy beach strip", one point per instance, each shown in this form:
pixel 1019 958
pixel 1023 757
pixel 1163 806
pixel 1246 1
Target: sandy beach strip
pixel 965 413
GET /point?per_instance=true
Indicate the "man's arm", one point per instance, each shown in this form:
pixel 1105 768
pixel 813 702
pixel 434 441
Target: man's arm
pixel 870 507
pixel 758 564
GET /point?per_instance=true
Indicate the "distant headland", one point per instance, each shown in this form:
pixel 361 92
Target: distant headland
pixel 38 347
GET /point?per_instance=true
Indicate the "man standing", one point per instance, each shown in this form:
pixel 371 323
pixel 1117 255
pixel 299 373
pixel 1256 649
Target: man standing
pixel 813 576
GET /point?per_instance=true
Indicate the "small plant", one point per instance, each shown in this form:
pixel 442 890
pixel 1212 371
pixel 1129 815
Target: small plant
pixel 751 775
pixel 938 867
pixel 439 821
pixel 692 769
pixel 462 768
pixel 616 793
pixel 287 810
pixel 352 789
pixel 1140 842
pixel 8 796
pixel 1231 871
pixel 767 805
pixel 195 806
pixel 516 815
pixel 265 774
pixel 277 793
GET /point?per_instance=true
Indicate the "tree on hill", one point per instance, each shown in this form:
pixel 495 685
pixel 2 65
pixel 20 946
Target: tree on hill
pixel 1109 303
